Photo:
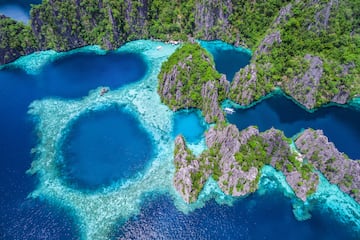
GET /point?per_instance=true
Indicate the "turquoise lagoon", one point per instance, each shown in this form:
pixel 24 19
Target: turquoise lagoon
pixel 64 196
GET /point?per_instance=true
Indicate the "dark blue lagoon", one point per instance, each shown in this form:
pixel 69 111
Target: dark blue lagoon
pixel 228 59
pixel 340 124
pixel 73 76
pixel 104 147
pixel 190 124
pixel 17 90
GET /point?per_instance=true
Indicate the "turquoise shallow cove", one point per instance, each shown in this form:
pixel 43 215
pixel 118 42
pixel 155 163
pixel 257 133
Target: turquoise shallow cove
pixel 69 193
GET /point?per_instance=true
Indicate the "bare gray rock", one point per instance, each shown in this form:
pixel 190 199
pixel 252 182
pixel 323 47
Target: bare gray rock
pixel 211 18
pixel 304 87
pixel 210 102
pixel 266 44
pixel 282 158
pixel 233 180
pixel 322 16
pixel 284 14
pixel 335 166
pixel 189 177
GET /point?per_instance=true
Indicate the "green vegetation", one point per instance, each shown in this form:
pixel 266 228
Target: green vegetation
pixel 336 41
pixel 15 39
pixel 252 154
pixel 67 24
pixel 251 19
pixel 186 72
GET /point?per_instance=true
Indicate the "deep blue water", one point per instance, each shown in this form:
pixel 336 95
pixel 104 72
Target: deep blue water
pixel 190 124
pixel 228 60
pixel 74 76
pixel 17 91
pixel 340 125
pixel 104 147
pixel 253 218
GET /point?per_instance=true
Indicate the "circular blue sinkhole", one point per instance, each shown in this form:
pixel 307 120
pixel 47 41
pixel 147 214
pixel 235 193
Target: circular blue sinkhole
pixel 103 147
pixel 190 124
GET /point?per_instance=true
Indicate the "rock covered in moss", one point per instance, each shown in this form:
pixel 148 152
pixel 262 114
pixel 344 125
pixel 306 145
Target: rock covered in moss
pixel 189 80
pixel 235 158
pixel 190 176
pixel 301 176
pixel 16 39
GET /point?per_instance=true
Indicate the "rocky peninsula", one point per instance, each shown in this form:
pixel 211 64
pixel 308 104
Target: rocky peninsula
pixel 336 166
pixel 235 158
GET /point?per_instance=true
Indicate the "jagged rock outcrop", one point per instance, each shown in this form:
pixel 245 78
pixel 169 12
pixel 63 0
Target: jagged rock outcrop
pixel 322 16
pixel 234 179
pixel 189 176
pixel 335 166
pixel 212 18
pixel 304 88
pixel 189 80
pixel 235 159
pixel 301 177
pixel 210 104
pixel 267 43
pixel 245 87
pixel 284 14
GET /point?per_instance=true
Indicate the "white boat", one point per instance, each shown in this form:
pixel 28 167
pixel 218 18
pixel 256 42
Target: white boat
pixel 229 110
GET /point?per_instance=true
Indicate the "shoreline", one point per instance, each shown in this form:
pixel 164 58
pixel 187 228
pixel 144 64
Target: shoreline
pixel 95 211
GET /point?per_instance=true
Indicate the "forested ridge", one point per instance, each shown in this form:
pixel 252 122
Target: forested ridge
pixel 310 49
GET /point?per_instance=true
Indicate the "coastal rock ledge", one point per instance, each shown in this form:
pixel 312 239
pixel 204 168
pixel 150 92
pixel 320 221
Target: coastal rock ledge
pixel 235 158
pixel 336 166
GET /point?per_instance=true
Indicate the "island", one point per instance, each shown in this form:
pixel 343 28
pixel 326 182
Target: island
pixel 308 49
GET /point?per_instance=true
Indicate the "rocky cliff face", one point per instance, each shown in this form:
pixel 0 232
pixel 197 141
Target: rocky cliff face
pixel 233 180
pixel 10 48
pixel 335 166
pixel 190 175
pixel 235 159
pixel 189 80
pixel 300 176
pixel 212 19
pixel 304 88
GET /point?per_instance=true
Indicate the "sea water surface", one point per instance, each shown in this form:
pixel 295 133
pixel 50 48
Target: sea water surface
pixel 267 216
pixel 71 77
